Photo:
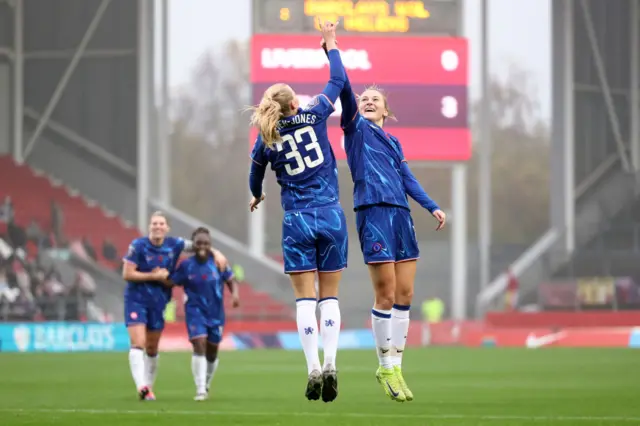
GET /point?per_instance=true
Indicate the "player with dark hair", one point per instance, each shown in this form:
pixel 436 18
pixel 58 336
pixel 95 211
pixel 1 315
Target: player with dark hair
pixel 382 180
pixel 314 234
pixel 203 285
pixel 149 261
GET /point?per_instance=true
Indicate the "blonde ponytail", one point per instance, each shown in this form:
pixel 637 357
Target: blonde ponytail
pixel 275 105
pixel 265 118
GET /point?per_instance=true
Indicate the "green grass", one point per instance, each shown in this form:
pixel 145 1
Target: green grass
pixel 452 386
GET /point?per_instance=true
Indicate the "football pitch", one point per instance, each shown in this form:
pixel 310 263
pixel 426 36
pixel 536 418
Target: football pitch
pixel 452 386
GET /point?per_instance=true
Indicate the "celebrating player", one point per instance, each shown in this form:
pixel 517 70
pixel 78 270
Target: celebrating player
pixel 314 235
pixel 382 180
pixel 204 307
pixel 149 262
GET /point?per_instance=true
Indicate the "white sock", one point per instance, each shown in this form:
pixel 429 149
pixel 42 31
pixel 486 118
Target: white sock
pixel 211 370
pixel 136 364
pixel 308 332
pixel 151 369
pixel 330 323
pixel 381 326
pixel 399 331
pixel 199 370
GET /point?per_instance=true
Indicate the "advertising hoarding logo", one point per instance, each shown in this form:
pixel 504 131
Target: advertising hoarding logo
pixel 22 338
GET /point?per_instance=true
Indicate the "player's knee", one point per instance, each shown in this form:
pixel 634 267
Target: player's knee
pixel 151 347
pixel 137 342
pixel 404 294
pixel 385 298
pixel 199 346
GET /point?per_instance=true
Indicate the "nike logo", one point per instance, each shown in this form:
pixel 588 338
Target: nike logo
pixel 395 394
pixel 384 351
pixel 388 339
pixel 399 351
pixel 534 342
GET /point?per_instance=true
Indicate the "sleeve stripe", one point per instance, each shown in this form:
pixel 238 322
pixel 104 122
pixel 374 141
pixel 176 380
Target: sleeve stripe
pixel 350 121
pixel 259 164
pixel 328 100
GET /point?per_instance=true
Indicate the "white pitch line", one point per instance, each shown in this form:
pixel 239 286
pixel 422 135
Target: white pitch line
pixel 312 414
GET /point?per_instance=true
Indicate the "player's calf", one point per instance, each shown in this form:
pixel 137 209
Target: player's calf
pixel 199 366
pixel 212 362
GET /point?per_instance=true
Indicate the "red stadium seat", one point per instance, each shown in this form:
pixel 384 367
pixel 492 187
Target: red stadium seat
pixel 32 194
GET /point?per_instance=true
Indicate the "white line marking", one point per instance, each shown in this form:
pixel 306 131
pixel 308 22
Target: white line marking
pixel 318 414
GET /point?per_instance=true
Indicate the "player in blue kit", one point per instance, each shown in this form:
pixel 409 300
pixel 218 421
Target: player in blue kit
pixel 203 285
pixel 382 180
pixel 148 262
pixel 314 234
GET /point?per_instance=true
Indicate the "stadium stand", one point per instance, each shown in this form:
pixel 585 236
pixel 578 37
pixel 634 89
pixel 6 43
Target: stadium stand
pixel 66 219
pixel 607 263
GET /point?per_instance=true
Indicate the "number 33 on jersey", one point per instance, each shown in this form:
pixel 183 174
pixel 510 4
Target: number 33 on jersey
pixel 303 160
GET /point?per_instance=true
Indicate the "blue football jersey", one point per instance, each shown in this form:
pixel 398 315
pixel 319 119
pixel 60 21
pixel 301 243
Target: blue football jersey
pixel 203 287
pixel 303 160
pixel 147 256
pixel 375 158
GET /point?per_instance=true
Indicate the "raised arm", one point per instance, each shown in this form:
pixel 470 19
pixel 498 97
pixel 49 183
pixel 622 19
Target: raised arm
pixel 347 98
pixel 337 75
pixel 187 247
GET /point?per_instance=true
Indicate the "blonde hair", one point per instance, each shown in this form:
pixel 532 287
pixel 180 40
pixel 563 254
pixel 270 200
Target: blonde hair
pixel 159 213
pixel 385 98
pixel 275 104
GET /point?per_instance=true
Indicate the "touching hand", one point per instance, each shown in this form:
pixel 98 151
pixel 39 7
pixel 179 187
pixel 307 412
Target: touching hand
pixel 160 274
pixel 328 30
pixel 220 259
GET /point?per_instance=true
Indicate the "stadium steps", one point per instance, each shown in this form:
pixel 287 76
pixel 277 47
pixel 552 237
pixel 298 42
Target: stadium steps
pixel 32 192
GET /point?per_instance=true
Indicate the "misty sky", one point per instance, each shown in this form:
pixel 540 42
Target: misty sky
pixel 519 33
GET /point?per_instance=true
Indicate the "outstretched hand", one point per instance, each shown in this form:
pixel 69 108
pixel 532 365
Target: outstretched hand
pixel 328 30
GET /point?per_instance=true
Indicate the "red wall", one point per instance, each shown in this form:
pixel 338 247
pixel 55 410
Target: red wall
pixel 563 319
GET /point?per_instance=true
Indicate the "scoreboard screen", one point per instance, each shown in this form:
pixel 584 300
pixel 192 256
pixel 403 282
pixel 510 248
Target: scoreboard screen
pixel 384 17
pixel 425 79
